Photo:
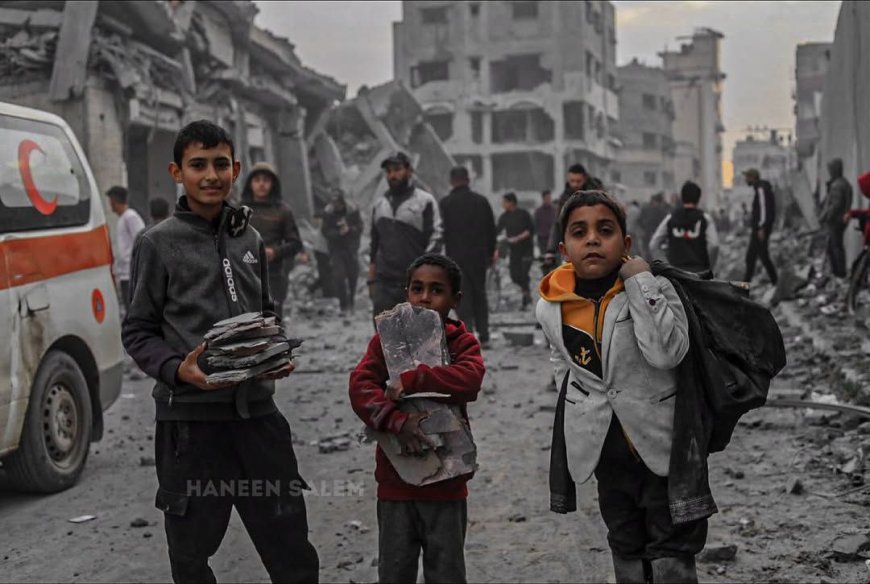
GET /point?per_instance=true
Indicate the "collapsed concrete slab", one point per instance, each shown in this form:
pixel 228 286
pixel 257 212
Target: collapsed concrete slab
pixel 349 141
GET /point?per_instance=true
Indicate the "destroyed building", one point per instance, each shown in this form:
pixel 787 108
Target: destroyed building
pixel 348 142
pixel 517 91
pixel 127 76
pixel 696 82
pixel 845 118
pixel 811 67
pixel 646 117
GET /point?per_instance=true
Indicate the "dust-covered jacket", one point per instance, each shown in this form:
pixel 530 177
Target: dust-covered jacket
pixel 644 338
pixel 187 274
pixel 461 379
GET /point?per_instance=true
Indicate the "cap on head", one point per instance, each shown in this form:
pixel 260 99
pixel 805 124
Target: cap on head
pixel 398 159
pixel 690 193
pixel 752 173
pixel 263 167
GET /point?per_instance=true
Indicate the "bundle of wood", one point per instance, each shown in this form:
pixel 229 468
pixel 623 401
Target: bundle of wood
pixel 245 346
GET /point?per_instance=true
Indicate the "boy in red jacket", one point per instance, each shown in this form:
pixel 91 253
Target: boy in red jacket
pixel 432 517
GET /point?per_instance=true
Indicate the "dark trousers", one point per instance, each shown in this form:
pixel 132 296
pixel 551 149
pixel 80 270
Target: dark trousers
pixel 519 265
pixel 345 271
pixel 435 527
pixel 474 308
pixel 386 295
pixel 759 249
pixel 206 468
pixel 837 250
pixel 634 505
pixel 325 278
pixel 125 294
pixel 278 285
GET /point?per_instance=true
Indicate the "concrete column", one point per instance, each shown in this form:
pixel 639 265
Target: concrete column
pixel 292 162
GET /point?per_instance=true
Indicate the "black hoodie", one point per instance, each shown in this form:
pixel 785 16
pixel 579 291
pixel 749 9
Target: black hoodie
pixel 186 274
pixel 274 220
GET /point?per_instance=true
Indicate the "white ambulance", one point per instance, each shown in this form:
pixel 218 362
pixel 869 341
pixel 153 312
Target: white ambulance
pixel 61 358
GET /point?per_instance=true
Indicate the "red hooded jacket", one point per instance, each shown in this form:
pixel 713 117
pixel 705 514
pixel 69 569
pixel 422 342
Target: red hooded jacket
pixel 461 380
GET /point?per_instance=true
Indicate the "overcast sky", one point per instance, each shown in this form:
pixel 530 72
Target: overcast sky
pixel 352 41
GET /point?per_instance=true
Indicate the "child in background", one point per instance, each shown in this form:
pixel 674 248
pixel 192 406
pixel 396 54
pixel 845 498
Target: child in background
pixel 432 517
pixel 616 334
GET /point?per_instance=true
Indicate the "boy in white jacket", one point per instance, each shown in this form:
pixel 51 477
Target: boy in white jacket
pixel 617 334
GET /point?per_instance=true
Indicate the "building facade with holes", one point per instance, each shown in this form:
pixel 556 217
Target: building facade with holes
pixel 646 160
pixel 127 76
pixel 518 91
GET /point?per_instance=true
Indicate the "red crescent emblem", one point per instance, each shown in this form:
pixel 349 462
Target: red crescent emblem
pixel 41 205
pixel 98 305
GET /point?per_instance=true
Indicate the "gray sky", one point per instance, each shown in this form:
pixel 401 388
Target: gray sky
pixel 352 41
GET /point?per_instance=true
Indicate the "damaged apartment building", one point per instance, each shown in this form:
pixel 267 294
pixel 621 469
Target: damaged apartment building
pixel 127 76
pixel 646 110
pixel 518 91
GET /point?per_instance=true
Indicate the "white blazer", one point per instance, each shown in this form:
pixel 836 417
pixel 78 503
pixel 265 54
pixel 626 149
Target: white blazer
pixel 645 336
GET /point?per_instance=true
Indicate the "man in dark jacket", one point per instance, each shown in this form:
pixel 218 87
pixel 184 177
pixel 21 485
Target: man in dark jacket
pixel 469 238
pixel 545 216
pixel 693 242
pixel 837 203
pixel 763 215
pixel 202 265
pixel 342 228
pixel 652 214
pixel 518 225
pixel 276 224
pixel 406 223
pixel 577 180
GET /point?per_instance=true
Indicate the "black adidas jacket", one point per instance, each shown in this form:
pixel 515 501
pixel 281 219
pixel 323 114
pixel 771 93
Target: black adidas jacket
pixel 185 275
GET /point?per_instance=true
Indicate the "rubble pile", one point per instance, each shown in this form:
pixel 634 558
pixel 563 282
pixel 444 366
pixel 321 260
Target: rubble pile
pixel 348 143
pixel 810 300
pixel 245 346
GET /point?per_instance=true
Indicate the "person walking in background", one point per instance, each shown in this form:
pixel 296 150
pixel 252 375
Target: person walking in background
pixel 130 223
pixel 274 220
pixel 690 233
pixel 469 239
pixel 577 179
pixel 342 228
pixel 651 216
pixel 762 218
pixel 835 205
pixel 406 223
pixel 545 217
pixel 518 225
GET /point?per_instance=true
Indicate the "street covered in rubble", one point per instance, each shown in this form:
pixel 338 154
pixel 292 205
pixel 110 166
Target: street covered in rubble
pixel 506 114
pixel 790 487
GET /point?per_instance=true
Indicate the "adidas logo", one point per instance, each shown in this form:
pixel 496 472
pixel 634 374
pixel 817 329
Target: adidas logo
pixel 249 258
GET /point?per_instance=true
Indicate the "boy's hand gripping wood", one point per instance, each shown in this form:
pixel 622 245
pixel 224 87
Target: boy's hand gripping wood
pixel 395 391
pixel 411 436
pixel 189 372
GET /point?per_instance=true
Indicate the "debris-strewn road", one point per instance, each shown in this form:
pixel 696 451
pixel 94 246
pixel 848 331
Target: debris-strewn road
pixel 811 534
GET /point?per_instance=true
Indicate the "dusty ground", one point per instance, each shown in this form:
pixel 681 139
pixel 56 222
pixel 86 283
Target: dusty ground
pixel 512 536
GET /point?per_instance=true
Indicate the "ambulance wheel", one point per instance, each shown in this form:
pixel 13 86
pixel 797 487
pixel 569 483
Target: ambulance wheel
pixel 57 429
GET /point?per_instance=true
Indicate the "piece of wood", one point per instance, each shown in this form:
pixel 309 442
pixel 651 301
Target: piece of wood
pixel 73 47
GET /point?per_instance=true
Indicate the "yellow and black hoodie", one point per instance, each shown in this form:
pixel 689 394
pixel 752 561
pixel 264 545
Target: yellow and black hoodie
pixel 583 303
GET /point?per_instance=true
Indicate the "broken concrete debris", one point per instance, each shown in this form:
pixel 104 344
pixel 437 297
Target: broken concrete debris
pixel 411 336
pixel 713 553
pixel 349 141
pixel 245 346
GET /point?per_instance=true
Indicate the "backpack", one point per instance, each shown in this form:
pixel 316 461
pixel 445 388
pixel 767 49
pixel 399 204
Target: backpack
pixel 739 348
